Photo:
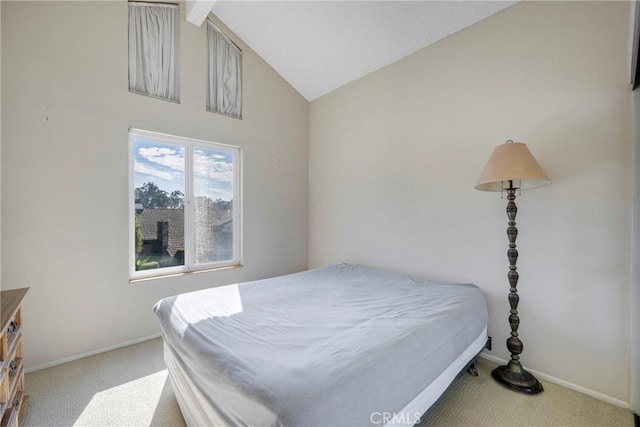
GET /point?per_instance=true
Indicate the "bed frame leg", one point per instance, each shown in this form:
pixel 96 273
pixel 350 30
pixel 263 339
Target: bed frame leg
pixel 473 368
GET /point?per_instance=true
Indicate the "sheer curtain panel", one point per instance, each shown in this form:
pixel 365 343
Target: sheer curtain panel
pixel 224 80
pixel 153 50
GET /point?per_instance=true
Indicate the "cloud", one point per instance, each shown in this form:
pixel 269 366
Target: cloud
pixel 213 171
pixel 163 156
pixel 213 175
pixel 144 169
pixel 209 166
pixel 213 191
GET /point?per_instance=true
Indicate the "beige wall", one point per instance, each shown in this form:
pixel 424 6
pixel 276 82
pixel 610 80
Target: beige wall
pixel 66 112
pixel 394 158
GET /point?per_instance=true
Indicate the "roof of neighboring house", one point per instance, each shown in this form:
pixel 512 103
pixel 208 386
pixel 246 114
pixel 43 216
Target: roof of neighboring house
pixel 226 226
pixel 206 215
pixel 149 219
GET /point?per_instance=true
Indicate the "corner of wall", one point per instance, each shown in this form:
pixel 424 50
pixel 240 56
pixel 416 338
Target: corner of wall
pixel 634 345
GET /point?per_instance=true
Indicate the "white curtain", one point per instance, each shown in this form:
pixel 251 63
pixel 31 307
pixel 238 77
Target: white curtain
pixel 224 80
pixel 153 50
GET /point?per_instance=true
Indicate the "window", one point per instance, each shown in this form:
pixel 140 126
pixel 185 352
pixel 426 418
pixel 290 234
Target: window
pixel 153 50
pixel 224 77
pixel 185 204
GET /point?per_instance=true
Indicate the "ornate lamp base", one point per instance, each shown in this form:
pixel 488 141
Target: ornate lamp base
pixel 516 378
pixel 512 374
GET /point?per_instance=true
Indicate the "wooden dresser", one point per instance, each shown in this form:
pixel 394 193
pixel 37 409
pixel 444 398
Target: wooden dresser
pixel 13 400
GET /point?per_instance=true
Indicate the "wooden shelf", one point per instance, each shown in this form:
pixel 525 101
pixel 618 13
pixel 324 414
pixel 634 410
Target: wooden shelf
pixel 13 400
pixel 10 301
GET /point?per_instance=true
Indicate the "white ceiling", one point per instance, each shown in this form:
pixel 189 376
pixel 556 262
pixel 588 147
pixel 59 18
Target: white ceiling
pixel 318 46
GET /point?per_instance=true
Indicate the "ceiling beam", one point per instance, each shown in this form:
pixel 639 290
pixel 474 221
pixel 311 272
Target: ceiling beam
pixel 197 10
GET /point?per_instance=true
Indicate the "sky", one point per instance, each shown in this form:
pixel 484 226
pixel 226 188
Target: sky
pixel 164 165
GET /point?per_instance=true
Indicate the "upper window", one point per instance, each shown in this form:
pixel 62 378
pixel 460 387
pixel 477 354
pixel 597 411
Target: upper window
pixel 224 77
pixel 153 50
pixel 185 204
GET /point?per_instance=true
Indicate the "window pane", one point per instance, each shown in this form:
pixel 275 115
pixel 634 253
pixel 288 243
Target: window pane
pixel 159 171
pixel 213 205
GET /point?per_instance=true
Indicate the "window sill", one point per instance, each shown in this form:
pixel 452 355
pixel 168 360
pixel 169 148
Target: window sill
pixel 183 273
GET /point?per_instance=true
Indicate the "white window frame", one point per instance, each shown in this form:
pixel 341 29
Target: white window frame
pixel 189 145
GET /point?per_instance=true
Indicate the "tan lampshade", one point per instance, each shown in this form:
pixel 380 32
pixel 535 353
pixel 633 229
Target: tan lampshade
pixel 512 161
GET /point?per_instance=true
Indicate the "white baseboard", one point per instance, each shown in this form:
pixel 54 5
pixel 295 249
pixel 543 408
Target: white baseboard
pixel 564 383
pixel 90 353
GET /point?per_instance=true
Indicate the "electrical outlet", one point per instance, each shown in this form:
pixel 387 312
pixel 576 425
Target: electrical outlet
pixel 488 344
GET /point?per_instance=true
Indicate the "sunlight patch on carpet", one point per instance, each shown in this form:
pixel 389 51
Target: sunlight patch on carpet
pixel 125 404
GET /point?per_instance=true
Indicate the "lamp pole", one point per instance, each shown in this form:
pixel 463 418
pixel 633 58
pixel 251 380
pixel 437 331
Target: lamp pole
pixel 513 375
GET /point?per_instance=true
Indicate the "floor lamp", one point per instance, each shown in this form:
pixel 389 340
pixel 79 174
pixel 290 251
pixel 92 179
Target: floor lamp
pixel 512 167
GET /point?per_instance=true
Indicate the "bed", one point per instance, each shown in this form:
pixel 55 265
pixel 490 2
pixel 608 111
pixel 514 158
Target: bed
pixel 344 345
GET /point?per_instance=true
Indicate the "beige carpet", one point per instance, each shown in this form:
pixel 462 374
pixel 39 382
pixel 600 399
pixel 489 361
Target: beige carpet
pixel 130 387
pixel 124 387
pixel 480 401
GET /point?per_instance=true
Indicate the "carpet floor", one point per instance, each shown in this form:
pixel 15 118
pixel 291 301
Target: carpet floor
pixel 130 387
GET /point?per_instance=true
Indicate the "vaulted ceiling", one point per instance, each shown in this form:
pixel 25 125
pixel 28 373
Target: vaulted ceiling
pixel 318 46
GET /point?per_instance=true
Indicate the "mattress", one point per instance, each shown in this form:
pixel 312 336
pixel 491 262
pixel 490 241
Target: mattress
pixel 343 345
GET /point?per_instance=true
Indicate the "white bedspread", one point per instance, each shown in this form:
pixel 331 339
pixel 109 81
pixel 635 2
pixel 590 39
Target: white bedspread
pixel 333 346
